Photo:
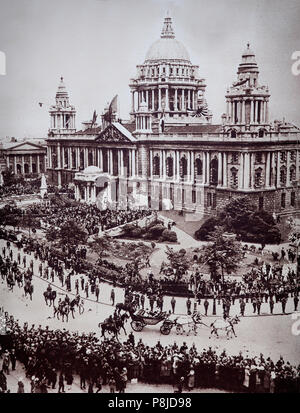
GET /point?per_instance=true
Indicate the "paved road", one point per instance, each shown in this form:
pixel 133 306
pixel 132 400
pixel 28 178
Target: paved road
pixel 270 335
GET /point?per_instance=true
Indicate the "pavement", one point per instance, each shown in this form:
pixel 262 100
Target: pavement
pixel 270 335
pixel 131 387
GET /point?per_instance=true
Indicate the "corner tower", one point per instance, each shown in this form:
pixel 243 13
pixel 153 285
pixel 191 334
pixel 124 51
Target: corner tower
pixel 62 114
pixel 247 101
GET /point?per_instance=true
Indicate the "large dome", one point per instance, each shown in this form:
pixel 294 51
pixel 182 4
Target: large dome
pixel 167 49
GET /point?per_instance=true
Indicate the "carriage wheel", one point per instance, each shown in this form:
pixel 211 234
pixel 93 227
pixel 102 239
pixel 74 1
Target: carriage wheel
pixel 179 329
pixel 165 330
pixel 137 325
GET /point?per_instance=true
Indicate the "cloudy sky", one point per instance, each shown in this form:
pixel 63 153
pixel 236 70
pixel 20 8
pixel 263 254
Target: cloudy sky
pixel 96 44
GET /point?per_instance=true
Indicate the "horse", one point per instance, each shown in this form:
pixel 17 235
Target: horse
pixel 28 289
pixel 125 307
pixel 62 309
pixel 114 326
pixel 49 295
pixel 227 325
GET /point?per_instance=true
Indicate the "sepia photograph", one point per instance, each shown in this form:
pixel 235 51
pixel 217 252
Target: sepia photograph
pixel 149 199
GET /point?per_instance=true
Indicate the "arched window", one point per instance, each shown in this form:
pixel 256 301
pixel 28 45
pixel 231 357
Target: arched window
pixel 233 178
pixel 261 133
pixel 26 168
pixel 233 133
pixel 169 166
pixel 156 165
pixel 183 167
pixel 282 175
pixel 292 173
pixel 198 167
pixel 214 171
pixel 258 178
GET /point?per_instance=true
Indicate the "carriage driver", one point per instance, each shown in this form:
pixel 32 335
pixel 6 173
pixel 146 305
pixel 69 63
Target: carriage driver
pixel 49 288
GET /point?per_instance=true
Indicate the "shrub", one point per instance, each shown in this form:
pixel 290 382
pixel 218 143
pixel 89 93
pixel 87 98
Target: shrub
pixel 169 235
pixel 156 231
pixel 206 228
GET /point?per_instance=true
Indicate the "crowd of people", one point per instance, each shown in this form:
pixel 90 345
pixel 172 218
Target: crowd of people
pixel 60 267
pixel 89 216
pixel 53 357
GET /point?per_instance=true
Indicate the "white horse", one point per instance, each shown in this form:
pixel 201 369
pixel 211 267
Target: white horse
pixel 226 325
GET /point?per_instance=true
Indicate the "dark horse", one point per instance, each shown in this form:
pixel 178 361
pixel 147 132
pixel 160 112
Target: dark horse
pixel 125 307
pixel 114 326
pixel 28 289
pixel 50 295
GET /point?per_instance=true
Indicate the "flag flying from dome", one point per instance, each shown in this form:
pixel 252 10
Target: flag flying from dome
pixel 94 118
pixel 113 108
pixel 241 82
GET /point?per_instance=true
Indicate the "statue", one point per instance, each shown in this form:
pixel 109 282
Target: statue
pixel 43 188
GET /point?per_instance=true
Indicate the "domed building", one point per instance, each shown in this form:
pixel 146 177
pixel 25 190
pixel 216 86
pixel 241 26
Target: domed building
pixel 170 152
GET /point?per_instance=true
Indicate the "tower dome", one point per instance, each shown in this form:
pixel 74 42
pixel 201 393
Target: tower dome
pixel 167 47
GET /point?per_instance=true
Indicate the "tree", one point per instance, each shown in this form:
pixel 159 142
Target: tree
pixel 178 261
pixel 100 245
pixel 71 234
pixel 222 253
pixel 241 216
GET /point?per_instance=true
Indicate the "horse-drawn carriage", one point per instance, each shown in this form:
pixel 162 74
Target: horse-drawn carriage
pixel 141 318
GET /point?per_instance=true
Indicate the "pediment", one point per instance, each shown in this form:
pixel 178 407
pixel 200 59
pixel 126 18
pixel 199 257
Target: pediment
pixel 114 134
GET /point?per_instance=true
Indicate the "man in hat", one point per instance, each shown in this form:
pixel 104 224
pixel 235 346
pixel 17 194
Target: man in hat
pixel 173 303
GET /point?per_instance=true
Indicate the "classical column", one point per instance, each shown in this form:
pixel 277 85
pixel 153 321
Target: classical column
pixel 177 166
pixel 220 169
pixel 232 112
pixel 278 170
pixel 111 168
pixel 175 100
pixel 122 161
pixel 49 159
pixel 247 171
pixel 151 163
pixel 225 169
pixel 267 170
pixel 133 162
pixel 86 160
pixel 152 102
pixel 204 167
pixel 167 99
pixel 15 164
pixel 252 160
pixel 227 108
pixel 267 112
pixel 164 174
pixel 241 171
pixel 161 164
pixel 182 100
pixel 241 112
pixel 147 98
pixel 69 158
pixel 174 162
pixel 251 111
pixel 189 99
pixel 132 101
pixel 159 98
pixel 188 167
pixel 30 164
pixel 208 167
pixel 77 157
pixel 130 163
pixel 38 164
pixel 288 163
pixel 58 156
pixel 297 166
pixel 192 166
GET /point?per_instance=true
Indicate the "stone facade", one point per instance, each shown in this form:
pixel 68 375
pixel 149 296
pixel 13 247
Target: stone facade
pixel 170 153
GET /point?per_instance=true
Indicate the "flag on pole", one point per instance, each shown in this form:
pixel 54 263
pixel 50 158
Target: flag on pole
pixel 94 118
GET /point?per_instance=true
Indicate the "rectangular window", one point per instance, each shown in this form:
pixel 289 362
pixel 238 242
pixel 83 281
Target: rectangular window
pixel 193 197
pixel 282 200
pixel 293 198
pixel 209 199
